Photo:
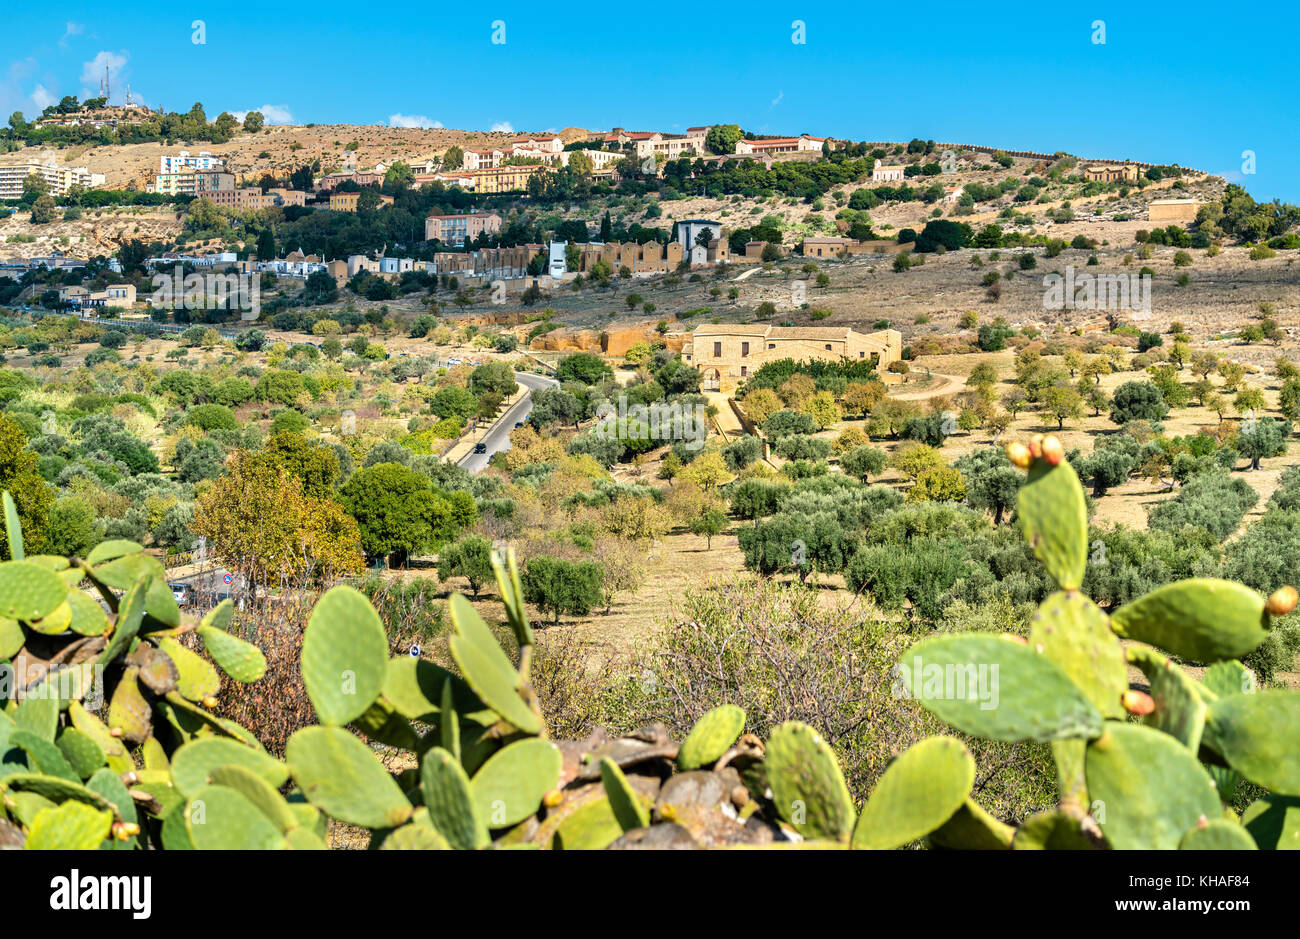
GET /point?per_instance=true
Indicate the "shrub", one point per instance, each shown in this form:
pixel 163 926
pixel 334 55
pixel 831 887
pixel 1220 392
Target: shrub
pixel 1137 401
pixel 561 586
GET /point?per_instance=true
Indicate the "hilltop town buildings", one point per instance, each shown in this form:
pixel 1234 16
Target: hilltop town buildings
pixel 58 179
pixel 458 229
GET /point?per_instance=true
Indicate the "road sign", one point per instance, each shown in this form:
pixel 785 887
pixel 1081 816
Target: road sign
pixel 227 580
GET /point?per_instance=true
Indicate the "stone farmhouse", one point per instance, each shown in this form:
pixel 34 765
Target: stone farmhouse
pixel 1111 173
pixel 728 353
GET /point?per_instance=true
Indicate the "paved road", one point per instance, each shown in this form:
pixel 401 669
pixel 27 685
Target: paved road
pixel 498 438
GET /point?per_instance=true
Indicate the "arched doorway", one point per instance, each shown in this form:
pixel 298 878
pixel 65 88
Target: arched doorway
pixel 712 380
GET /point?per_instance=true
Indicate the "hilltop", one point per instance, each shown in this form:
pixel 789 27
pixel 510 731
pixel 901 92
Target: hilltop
pixel 281 148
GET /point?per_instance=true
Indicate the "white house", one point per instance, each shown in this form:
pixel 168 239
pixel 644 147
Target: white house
pixel 174 164
pixel 887 174
pixel 557 262
pixel 395 265
pixel 688 230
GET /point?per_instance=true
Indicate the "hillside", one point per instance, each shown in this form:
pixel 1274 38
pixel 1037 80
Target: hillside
pixel 282 148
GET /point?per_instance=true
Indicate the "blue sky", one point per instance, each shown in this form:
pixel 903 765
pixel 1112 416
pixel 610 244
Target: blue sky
pixel 1193 83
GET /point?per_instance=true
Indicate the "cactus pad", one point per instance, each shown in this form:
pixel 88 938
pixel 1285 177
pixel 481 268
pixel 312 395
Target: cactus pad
pixel 918 792
pixel 1257 734
pixel 1074 633
pixel 193 763
pixel 996 688
pixel 1201 619
pixel 128 711
pixel 1053 517
pixel 1149 787
pixel 711 737
pixel 626 805
pixel 972 828
pixel 487 669
pixel 807 786
pixel 71 826
pixel 258 792
pixel 341 776
pixel 241 660
pixel 1053 830
pixel 196 678
pixel 413 837
pixel 81 752
pixel 344 656
pixel 509 786
pixel 220 819
pixel 29 591
pixel 1217 835
pixel 1180 710
pixel 450 801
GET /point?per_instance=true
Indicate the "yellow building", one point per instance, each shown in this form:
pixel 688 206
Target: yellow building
pixel 503 178
pixel 728 353
pixel 1128 173
pixel 347 201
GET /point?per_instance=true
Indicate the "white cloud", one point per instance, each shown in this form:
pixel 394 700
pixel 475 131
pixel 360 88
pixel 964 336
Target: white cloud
pixel 42 98
pixel 412 120
pixel 503 127
pixel 73 29
pixel 92 72
pixel 777 99
pixel 272 113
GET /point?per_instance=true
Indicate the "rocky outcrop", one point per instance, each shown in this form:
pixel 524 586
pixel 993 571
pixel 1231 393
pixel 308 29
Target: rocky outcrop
pixel 614 342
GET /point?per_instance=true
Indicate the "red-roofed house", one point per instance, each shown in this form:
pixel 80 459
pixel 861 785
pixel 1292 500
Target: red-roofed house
pixel 780 144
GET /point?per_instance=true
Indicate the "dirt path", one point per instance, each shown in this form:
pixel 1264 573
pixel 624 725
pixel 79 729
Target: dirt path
pixel 949 385
pixel 727 420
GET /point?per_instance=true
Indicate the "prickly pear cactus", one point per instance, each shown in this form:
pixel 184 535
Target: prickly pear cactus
pixel 1161 784
pixel 109 739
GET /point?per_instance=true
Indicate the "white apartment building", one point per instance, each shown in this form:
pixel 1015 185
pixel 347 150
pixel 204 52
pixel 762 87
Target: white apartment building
pixel 671 146
pixel 192 182
pixel 59 179
pixel 544 144
pixel 599 158
pixel 174 164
